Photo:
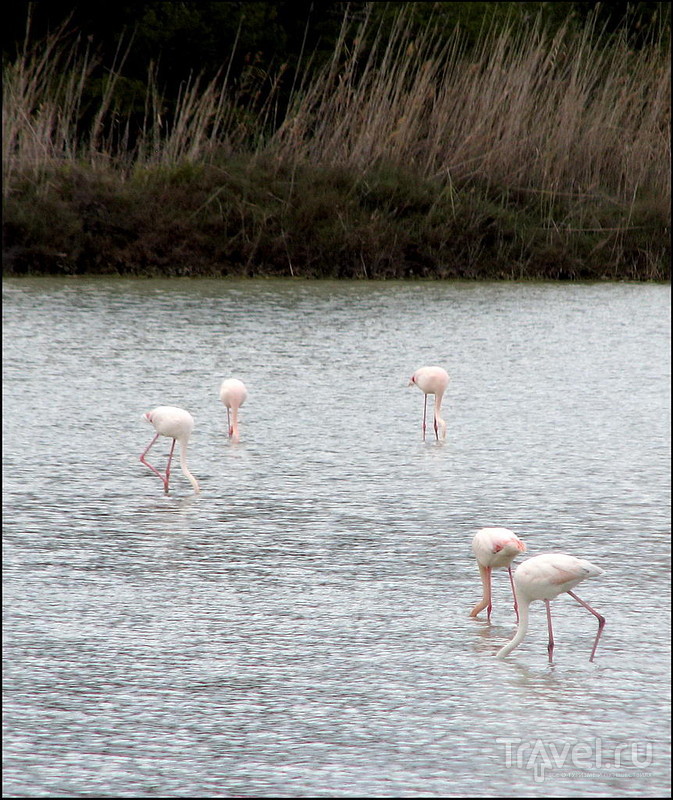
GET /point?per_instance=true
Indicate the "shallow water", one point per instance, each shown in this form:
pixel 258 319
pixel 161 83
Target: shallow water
pixel 301 627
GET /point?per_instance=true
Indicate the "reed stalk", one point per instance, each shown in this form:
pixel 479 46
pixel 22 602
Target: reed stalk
pixel 568 113
pixel 574 125
pixel 571 112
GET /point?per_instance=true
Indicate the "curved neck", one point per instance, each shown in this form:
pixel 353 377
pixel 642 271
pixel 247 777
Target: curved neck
pixel 486 583
pixel 439 422
pixel 485 601
pixel 520 632
pixel 185 469
pixel 233 428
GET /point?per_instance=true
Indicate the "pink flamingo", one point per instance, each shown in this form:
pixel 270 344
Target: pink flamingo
pixel 432 380
pixel 543 578
pixel 233 394
pixel 495 548
pixel 177 424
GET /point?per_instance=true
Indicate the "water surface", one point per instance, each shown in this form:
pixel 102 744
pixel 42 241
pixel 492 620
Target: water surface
pixel 301 627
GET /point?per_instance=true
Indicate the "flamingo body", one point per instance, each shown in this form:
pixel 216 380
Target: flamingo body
pixel 545 577
pixel 233 394
pixel 176 424
pixel 432 380
pixel 495 548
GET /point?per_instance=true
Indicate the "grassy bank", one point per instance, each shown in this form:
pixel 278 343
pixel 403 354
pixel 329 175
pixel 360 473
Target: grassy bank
pixel 533 156
pixel 252 218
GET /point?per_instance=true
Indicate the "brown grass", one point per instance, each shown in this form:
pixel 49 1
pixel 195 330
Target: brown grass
pixel 565 115
pixel 572 129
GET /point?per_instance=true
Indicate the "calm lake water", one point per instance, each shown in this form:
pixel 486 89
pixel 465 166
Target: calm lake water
pixel 301 627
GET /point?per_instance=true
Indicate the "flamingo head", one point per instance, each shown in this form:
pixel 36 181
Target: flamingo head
pixel 412 380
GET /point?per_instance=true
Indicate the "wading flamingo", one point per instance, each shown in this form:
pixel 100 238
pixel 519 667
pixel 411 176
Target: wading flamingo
pixel 432 380
pixel 495 548
pixel 233 394
pixel 543 578
pixel 177 424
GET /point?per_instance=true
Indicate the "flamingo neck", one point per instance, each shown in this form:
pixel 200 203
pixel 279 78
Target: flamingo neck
pixel 185 468
pixel 438 418
pixel 520 632
pixel 485 601
pixel 233 428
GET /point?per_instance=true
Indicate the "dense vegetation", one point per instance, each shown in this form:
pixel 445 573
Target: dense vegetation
pixel 369 140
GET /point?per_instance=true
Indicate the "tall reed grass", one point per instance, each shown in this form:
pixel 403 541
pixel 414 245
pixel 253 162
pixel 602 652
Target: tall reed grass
pixel 47 118
pixel 571 113
pixel 566 122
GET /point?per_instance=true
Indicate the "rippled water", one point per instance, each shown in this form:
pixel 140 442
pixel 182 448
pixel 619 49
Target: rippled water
pixel 301 628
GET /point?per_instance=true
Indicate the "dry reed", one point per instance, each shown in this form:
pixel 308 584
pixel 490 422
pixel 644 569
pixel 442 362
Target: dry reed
pixel 572 113
pixel 574 124
pixel 568 113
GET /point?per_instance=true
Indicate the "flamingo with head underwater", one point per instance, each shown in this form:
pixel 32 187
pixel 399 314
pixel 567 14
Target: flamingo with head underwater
pixel 495 548
pixel 432 380
pixel 545 577
pixel 177 424
pixel 233 394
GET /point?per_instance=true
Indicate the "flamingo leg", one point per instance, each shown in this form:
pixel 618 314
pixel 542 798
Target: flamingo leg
pixel 147 463
pixel 550 645
pixel 425 408
pixel 516 605
pixel 168 467
pixel 229 422
pixel 599 617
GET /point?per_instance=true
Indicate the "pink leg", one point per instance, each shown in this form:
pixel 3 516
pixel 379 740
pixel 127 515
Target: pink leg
pixel 599 617
pixel 550 646
pixel 229 422
pixel 425 408
pixel 516 605
pixel 147 463
pixel 168 467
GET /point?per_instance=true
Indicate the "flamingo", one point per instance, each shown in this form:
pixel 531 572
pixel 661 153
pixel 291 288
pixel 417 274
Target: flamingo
pixel 177 424
pixel 432 380
pixel 543 578
pixel 233 394
pixel 494 548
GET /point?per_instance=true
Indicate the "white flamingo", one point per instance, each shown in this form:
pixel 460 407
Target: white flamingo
pixel 544 578
pixel 177 424
pixel 495 548
pixel 432 380
pixel 233 394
